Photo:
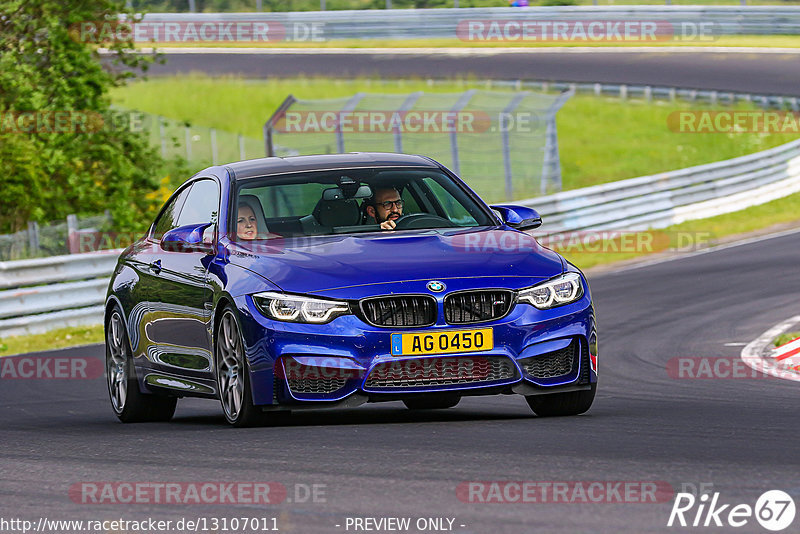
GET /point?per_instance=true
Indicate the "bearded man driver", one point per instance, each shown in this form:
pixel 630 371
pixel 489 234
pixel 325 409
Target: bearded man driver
pixel 385 207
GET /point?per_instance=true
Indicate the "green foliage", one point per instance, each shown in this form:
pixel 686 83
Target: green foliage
pixel 48 69
pixel 786 338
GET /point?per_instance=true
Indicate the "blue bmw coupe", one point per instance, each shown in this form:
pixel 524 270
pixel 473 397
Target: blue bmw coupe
pixel 281 284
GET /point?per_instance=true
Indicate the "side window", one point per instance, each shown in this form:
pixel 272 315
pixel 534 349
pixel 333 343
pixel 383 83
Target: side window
pixel 410 204
pixel 201 205
pixel 452 207
pixel 169 217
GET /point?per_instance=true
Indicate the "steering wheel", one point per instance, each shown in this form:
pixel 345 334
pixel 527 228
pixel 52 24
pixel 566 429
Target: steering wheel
pixel 414 221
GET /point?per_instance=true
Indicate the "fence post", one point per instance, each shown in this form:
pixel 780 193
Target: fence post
pixel 241 148
pixel 348 107
pixel 213 146
pixel 72 233
pixel 551 164
pixel 269 148
pixel 163 136
pixel 459 105
pixel 505 139
pixel 33 237
pixel 188 143
pixel 407 104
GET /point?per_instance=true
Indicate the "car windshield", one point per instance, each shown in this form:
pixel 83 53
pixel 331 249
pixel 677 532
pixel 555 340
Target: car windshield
pixel 351 201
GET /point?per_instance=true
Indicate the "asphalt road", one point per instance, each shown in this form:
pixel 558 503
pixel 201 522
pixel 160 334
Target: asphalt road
pixel 382 460
pixel 759 73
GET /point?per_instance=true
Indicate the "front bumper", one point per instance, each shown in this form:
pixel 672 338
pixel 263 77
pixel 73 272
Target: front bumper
pixel 535 352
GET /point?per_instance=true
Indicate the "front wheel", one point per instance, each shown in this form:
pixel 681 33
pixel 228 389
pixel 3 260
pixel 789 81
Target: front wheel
pixel 233 377
pixel 559 404
pixel 129 404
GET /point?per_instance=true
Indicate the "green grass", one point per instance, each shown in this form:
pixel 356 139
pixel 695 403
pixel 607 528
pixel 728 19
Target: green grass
pixel 758 41
pixel 785 338
pixel 55 339
pixel 601 139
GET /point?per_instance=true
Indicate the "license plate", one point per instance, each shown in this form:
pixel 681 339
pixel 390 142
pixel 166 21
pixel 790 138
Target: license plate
pixel 442 342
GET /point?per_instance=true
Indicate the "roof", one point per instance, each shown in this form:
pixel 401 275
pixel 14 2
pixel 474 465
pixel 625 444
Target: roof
pixel 265 166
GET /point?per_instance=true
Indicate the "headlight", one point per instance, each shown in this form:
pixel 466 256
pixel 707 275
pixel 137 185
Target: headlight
pixel 562 290
pixel 298 309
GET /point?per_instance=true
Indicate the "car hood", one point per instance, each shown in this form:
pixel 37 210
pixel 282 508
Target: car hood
pixel 337 265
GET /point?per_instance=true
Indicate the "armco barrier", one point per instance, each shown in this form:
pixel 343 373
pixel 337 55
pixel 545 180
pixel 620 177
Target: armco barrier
pixel 42 294
pixel 76 284
pixel 444 23
pixel 669 198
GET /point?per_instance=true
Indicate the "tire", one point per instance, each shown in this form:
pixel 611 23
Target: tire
pixel 130 405
pixel 560 404
pixel 432 403
pixel 233 376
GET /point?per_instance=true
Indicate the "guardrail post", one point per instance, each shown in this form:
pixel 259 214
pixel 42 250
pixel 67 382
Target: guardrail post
pixel 259 5
pixel 623 92
pixel 795 106
pixel 714 96
pixel 33 237
pixel 193 6
pixel 598 89
pixel 648 93
pixel 242 155
pixel 213 146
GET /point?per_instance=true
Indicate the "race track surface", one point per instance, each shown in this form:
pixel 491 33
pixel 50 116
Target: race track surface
pixel 760 73
pixel 383 460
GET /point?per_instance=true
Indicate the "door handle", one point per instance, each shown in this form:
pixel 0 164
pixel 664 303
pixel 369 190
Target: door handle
pixel 155 266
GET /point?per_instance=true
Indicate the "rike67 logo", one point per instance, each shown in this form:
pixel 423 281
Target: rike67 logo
pixel 774 510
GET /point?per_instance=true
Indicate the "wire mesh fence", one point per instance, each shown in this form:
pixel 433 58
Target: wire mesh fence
pixel 53 239
pixel 504 144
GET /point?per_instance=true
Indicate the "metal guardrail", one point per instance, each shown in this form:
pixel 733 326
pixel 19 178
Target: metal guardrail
pixel 444 23
pixel 669 198
pixel 77 291
pixel 43 294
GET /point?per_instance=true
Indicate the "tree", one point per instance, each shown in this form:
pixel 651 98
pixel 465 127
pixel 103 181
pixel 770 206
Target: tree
pixel 59 151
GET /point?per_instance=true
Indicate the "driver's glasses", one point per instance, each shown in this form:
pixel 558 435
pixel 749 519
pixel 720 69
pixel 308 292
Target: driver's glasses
pixel 389 203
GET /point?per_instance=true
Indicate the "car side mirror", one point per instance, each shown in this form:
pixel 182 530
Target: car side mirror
pixel 519 217
pixel 187 238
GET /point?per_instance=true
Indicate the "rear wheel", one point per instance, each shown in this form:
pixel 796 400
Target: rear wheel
pixel 233 376
pixel 558 404
pixel 129 404
pixel 431 403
